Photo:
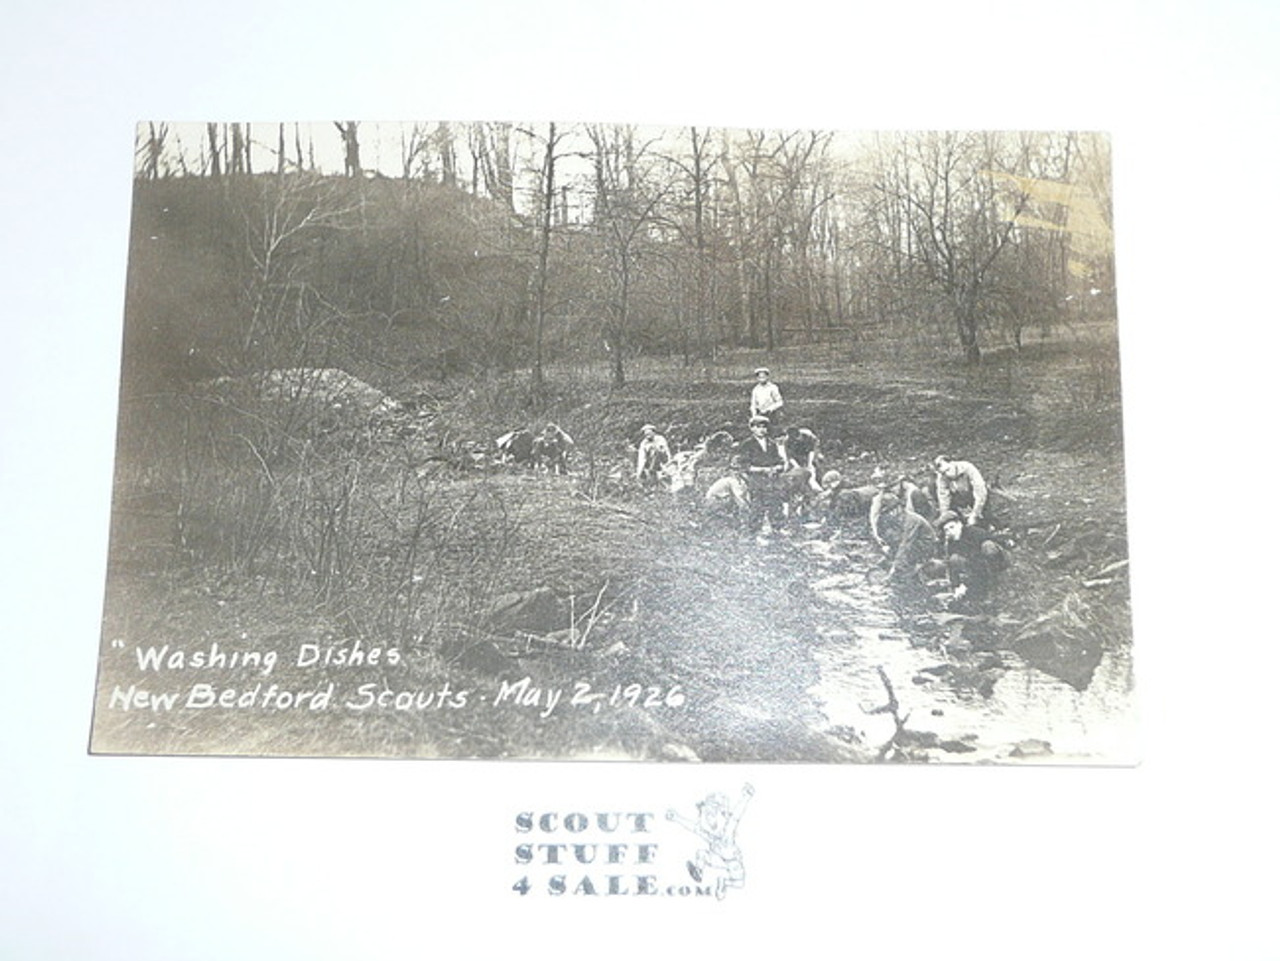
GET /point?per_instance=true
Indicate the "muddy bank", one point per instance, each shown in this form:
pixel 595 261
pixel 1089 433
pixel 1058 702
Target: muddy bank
pixel 582 617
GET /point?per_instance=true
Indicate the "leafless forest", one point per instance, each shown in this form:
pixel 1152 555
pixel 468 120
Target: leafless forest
pixel 327 326
pixel 500 246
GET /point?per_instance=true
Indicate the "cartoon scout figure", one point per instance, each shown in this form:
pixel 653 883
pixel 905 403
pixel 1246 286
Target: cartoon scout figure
pixel 717 825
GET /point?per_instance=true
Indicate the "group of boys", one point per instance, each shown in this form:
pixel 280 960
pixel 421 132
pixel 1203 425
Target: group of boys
pixel 926 532
pixel 924 538
pixel 549 449
pixel 929 532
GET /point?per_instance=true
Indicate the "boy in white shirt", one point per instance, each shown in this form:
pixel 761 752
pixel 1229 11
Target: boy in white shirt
pixel 766 399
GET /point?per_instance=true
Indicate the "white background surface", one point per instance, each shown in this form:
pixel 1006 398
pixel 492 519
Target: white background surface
pixel 191 859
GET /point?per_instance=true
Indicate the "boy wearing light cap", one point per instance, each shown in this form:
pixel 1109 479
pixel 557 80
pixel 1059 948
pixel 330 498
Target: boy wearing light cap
pixel 961 488
pixel 766 399
pixel 652 453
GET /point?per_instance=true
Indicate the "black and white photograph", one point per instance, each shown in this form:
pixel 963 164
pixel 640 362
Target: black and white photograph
pixel 517 479
pixel 596 440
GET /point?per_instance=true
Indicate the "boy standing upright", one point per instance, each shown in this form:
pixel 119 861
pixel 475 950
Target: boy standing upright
pixel 762 463
pixel 766 399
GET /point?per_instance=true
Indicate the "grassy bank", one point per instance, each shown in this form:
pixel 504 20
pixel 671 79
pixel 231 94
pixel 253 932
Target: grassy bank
pixel 298 529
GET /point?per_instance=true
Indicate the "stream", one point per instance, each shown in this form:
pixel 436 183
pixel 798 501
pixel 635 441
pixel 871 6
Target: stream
pixel 961 705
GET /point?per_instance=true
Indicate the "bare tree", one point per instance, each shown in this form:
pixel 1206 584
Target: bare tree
pixel 297 146
pixel 627 196
pixel 150 150
pixel 546 209
pixel 802 189
pixel 692 221
pixel 698 237
pixel 282 218
pixel 742 235
pixel 215 162
pixel 956 221
pixel 448 154
pixel 491 158
pixel 767 180
pixel 236 160
pixel 349 130
pixel 415 147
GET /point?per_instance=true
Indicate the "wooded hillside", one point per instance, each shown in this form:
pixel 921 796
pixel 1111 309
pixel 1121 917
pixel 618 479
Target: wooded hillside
pixel 497 246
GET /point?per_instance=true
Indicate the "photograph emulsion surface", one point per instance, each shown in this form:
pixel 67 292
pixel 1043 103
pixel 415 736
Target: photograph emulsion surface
pixel 569 440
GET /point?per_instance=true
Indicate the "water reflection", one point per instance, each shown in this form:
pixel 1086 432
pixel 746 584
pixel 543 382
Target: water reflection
pixel 961 705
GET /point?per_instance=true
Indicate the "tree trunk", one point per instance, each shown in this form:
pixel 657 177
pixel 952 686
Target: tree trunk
pixel 235 163
pixel 215 161
pixel 700 303
pixel 536 386
pixel 750 306
pixel 154 151
pixel 768 304
pixel 967 328
pixel 448 156
pixel 620 334
pixel 350 147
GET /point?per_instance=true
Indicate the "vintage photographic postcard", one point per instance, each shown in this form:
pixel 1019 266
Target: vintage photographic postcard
pixel 581 441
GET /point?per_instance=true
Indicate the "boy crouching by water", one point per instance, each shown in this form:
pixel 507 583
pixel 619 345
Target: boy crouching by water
pixel 974 558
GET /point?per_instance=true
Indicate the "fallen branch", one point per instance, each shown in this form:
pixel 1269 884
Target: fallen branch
pixel 591 616
pixel 266 470
pixel 891 708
